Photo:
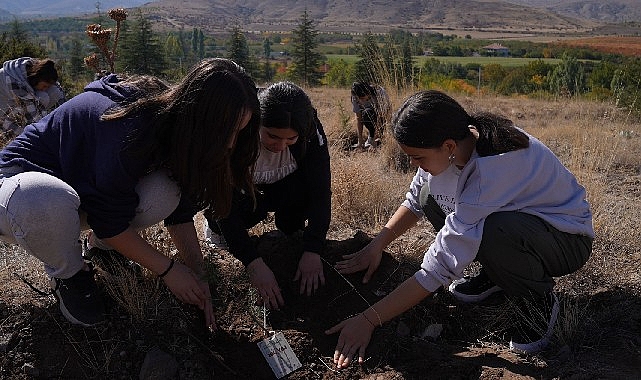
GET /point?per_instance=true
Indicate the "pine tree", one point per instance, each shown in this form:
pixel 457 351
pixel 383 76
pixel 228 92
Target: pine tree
pixel 305 60
pixel 407 64
pixel 141 52
pixel 76 62
pixel 16 43
pixel 238 49
pixel 201 44
pixel 267 48
pixel 194 40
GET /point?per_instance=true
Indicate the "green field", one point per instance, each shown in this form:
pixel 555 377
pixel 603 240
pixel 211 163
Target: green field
pixel 420 60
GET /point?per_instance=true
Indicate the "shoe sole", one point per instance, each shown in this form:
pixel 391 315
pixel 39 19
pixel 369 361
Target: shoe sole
pixel 63 308
pixel 539 345
pixel 467 298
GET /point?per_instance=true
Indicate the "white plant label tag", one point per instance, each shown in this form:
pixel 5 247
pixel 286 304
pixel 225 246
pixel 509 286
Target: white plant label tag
pixel 279 355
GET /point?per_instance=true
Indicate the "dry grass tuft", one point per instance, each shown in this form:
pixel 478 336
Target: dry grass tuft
pixel 363 194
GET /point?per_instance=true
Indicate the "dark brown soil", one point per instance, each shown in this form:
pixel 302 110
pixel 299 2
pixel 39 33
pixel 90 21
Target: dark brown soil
pixel 599 337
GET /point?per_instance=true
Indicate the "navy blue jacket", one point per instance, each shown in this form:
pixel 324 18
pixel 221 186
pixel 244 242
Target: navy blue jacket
pixel 74 145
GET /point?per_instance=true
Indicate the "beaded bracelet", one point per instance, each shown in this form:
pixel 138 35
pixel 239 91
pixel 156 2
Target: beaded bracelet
pixel 171 265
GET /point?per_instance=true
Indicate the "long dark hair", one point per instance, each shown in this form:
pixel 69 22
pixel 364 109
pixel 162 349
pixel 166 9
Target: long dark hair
pixel 41 70
pixel 194 123
pixel 428 118
pixel 285 105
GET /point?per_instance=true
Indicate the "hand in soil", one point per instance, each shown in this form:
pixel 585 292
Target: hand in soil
pixel 310 273
pixel 367 258
pixel 355 334
pixel 263 279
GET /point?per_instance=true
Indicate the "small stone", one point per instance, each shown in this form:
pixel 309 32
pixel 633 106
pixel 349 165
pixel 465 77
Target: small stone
pixel 432 331
pixel 158 365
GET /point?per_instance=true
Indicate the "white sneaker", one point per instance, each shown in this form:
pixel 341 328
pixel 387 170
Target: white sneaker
pixel 214 240
pixel 369 143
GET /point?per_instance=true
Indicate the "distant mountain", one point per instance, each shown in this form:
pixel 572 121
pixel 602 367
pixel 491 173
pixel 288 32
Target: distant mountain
pixel 49 8
pixel 518 16
pixel 5 15
pixel 598 10
pixel 362 15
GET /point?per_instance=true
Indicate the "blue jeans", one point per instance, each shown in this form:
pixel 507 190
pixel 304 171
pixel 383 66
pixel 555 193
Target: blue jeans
pixel 41 214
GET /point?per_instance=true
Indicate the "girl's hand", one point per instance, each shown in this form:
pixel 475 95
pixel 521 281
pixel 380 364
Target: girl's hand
pixel 186 286
pixel 355 335
pixel 367 258
pixel 310 273
pixel 262 278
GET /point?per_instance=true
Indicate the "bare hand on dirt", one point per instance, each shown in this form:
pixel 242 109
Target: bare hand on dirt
pixel 367 258
pixel 310 273
pixel 355 334
pixel 188 288
pixel 263 279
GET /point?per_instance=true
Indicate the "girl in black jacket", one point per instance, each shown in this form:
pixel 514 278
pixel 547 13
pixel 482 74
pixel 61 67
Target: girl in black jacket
pixel 292 176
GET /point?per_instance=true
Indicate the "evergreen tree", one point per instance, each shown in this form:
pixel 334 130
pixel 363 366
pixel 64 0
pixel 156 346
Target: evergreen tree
pixel 305 60
pixel 201 44
pixel 16 43
pixel 238 49
pixel 194 40
pixel 267 48
pixel 76 62
pixel 407 64
pixel 268 71
pixel 141 52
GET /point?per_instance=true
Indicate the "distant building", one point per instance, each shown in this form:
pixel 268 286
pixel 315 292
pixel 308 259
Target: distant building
pixel 497 49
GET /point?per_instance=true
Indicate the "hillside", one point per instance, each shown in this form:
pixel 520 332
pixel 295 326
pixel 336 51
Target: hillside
pixel 597 10
pixel 362 15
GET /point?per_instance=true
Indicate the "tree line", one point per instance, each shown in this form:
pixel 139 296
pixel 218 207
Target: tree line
pixel 388 59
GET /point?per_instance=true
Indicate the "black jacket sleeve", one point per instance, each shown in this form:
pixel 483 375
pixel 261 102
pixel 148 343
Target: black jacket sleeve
pixel 234 229
pixel 314 164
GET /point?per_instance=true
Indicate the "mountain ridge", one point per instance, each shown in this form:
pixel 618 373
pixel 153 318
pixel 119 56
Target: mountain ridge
pixel 362 15
pixel 510 16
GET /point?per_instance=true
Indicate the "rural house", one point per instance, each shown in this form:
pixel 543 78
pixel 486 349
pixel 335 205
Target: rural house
pixel 497 50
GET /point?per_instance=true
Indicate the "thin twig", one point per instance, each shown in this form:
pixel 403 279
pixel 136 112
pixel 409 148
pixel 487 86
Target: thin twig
pixel 348 282
pixel 40 292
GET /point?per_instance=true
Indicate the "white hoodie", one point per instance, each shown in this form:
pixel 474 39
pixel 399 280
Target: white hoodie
pixel 530 180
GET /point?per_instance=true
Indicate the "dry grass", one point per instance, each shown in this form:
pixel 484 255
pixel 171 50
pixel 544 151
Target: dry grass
pixel 598 143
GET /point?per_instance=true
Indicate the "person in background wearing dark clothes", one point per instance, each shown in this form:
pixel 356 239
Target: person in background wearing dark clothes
pixel 124 155
pixel 292 176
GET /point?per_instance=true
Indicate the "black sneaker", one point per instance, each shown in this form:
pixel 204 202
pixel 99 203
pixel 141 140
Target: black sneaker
pixel 473 289
pixel 535 328
pixel 80 300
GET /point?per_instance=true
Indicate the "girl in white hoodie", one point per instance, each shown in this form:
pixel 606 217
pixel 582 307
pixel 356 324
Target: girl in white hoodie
pixel 504 199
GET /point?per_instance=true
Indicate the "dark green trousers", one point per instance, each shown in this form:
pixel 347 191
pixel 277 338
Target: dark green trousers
pixel 520 252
